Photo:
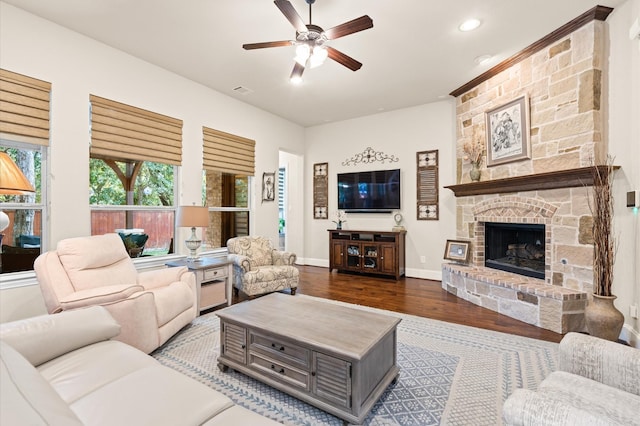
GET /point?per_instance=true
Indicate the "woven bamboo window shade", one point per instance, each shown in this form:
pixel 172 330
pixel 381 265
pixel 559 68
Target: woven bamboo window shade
pixel 227 153
pixel 123 132
pixel 24 108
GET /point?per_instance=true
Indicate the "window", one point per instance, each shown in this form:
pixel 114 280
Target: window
pixel 229 163
pixel 22 238
pixel 148 207
pixel 133 164
pixel 24 138
pixel 227 196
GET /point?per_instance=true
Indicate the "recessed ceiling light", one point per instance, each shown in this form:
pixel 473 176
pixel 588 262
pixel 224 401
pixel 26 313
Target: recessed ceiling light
pixel 469 24
pixel 482 59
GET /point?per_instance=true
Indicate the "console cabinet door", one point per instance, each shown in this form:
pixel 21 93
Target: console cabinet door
pixel 337 254
pixel 332 380
pixel 234 343
pixel 387 260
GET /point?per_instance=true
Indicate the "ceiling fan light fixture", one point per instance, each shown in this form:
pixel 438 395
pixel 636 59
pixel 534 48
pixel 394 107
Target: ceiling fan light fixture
pixel 302 53
pixel 318 57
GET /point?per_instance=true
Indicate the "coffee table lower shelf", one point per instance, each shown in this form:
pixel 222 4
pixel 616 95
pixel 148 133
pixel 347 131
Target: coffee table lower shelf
pixel 344 376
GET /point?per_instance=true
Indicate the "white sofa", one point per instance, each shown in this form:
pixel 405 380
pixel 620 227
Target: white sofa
pixel 64 369
pixel 597 383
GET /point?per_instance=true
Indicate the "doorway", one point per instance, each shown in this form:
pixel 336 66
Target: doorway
pixel 282 211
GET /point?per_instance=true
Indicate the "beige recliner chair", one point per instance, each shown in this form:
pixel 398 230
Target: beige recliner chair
pixel 258 268
pixel 150 306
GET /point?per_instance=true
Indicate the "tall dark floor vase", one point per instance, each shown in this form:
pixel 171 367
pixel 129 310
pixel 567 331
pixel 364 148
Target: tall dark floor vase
pixel 603 319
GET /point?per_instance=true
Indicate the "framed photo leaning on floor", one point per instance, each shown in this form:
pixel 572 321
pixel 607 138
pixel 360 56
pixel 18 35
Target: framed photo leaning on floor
pixel 457 250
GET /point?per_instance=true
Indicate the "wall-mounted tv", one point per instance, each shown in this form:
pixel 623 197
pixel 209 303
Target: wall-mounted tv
pixel 375 191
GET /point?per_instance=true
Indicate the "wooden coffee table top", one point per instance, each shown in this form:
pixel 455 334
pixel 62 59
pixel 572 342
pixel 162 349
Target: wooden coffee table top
pixel 325 325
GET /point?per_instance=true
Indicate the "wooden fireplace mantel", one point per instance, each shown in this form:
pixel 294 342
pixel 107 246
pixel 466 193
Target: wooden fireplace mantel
pixel 570 178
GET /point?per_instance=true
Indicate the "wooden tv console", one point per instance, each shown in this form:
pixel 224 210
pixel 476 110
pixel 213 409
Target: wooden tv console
pixel 369 252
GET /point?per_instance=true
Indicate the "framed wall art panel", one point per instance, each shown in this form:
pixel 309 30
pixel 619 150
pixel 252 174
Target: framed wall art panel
pixel 321 190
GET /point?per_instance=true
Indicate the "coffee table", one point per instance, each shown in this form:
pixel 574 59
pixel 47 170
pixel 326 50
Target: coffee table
pixel 337 358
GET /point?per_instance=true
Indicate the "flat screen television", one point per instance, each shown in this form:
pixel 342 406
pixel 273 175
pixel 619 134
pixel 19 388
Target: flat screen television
pixel 369 192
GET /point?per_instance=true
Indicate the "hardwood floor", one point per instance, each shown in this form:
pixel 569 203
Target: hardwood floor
pixel 413 296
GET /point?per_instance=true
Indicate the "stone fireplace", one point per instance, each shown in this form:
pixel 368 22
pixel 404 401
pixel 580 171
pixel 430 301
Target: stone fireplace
pixel 562 76
pixel 556 296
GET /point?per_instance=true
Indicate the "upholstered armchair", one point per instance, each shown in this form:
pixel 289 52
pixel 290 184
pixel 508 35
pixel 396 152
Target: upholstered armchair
pixel 258 268
pixel 150 306
pixel 597 383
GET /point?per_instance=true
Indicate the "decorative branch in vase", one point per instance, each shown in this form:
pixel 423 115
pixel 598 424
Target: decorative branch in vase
pixel 602 318
pixel 474 151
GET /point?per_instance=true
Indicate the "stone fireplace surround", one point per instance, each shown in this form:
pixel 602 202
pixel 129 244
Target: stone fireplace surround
pixel 562 74
pixel 544 303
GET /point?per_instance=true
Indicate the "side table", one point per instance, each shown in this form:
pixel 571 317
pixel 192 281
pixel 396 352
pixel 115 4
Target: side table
pixel 214 280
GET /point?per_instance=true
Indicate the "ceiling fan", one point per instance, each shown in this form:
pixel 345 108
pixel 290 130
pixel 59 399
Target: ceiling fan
pixel 311 50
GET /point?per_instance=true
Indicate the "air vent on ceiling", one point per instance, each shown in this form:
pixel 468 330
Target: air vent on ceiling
pixel 242 90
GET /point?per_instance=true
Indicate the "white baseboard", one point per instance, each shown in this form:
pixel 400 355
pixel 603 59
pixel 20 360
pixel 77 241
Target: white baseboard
pixel 424 274
pixel 323 263
pixel 628 334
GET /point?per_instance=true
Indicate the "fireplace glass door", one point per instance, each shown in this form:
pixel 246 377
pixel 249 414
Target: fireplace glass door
pixel 515 247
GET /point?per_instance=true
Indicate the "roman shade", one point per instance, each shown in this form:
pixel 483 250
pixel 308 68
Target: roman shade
pixel 24 108
pixel 124 132
pixel 227 153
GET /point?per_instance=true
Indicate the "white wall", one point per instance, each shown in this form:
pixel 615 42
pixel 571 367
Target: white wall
pixel 623 135
pixel 77 66
pixel 400 133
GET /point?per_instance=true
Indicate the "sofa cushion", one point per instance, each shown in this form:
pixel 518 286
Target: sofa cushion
pixel 42 338
pixel 153 395
pixel 172 300
pixel 96 261
pixel 79 373
pixel 26 397
pixel 612 404
pixel 528 408
pixel 99 295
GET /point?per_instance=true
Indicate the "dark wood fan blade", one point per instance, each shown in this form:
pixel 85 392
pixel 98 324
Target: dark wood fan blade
pixel 251 46
pixel 290 13
pixel 358 24
pixel 343 59
pixel 297 71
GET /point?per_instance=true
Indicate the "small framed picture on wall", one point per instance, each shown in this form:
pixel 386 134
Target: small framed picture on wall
pixel 268 186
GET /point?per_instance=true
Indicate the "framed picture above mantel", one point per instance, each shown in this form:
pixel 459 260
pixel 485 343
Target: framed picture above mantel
pixel 507 130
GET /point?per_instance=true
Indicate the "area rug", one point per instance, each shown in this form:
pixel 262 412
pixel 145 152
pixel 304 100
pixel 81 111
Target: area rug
pixel 449 374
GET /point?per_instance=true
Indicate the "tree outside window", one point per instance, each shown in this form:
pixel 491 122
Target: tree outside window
pixel 22 239
pixel 133 197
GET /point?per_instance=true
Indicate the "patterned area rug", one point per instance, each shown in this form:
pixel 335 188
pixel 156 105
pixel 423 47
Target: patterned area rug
pixel 449 374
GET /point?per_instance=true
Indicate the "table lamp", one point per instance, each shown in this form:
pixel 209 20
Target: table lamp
pixel 193 216
pixel 12 182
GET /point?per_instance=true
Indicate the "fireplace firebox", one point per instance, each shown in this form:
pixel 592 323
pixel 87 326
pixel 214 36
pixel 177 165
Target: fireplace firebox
pixel 515 247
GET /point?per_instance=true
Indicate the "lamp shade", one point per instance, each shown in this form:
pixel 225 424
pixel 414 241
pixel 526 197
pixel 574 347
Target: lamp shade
pixel 12 180
pixel 192 216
